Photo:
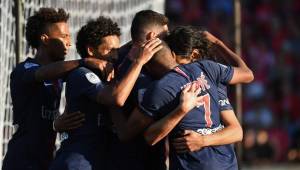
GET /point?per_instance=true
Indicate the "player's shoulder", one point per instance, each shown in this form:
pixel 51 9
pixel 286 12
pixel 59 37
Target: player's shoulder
pixel 171 78
pixel 171 83
pixel 206 62
pixel 28 63
pixel 22 67
pixel 211 64
pixel 83 74
pixel 125 49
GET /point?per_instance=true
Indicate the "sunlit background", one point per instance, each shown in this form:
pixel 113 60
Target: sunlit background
pixel 271 47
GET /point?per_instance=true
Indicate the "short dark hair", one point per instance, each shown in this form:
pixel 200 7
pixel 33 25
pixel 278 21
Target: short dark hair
pixel 36 24
pixel 93 32
pixel 145 19
pixel 183 39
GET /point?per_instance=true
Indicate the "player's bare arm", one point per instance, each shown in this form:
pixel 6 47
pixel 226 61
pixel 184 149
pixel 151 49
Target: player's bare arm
pixel 60 69
pixel 117 92
pixel 242 73
pixel 160 129
pixel 193 141
pixel 129 128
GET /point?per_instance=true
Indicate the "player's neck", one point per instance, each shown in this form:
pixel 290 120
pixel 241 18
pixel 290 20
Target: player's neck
pixel 42 57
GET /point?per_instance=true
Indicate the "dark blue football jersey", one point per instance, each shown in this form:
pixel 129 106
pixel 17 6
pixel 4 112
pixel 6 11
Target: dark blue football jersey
pixel 122 53
pixel 163 96
pixel 35 105
pixel 224 103
pixel 87 145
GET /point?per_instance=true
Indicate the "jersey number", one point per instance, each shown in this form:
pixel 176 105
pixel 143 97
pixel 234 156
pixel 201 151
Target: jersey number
pixel 206 104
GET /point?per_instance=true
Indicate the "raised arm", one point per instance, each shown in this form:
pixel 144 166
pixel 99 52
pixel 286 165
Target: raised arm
pixel 242 74
pixel 117 93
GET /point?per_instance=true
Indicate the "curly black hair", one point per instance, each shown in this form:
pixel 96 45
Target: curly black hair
pixel 184 39
pixel 93 32
pixel 36 24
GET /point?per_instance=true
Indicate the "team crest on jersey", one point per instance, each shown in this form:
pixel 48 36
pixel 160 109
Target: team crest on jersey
pixel 92 78
pixel 29 65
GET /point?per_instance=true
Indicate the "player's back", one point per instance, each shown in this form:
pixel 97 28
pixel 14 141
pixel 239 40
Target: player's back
pixel 163 97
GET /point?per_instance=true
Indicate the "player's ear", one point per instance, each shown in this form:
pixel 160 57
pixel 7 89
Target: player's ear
pixel 90 50
pixel 150 35
pixel 173 55
pixel 44 39
pixel 195 55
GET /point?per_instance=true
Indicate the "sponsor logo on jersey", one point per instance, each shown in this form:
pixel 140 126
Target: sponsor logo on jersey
pixel 28 65
pixel 224 102
pixel 48 84
pixel 49 114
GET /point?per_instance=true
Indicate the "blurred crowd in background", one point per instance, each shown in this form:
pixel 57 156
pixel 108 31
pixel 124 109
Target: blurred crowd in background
pixel 271 48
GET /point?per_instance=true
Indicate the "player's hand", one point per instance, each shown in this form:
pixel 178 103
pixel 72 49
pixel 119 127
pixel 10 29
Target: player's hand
pixel 106 68
pixel 189 97
pixel 147 50
pixel 111 75
pixel 190 141
pixel 211 38
pixel 68 121
pixel 107 71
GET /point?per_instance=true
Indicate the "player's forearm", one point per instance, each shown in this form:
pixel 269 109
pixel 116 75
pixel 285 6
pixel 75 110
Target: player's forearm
pixel 230 134
pixel 246 74
pixel 123 87
pixel 55 70
pixel 161 128
pixel 229 55
pixel 126 128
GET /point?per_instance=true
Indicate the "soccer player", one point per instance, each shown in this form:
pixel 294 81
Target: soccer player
pixel 146 25
pixel 162 97
pixel 136 154
pixel 35 91
pixel 190 44
pixel 85 148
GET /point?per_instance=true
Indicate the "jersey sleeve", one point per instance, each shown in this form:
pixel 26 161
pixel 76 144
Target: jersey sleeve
pixel 223 102
pixel 222 73
pixel 157 101
pixel 85 82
